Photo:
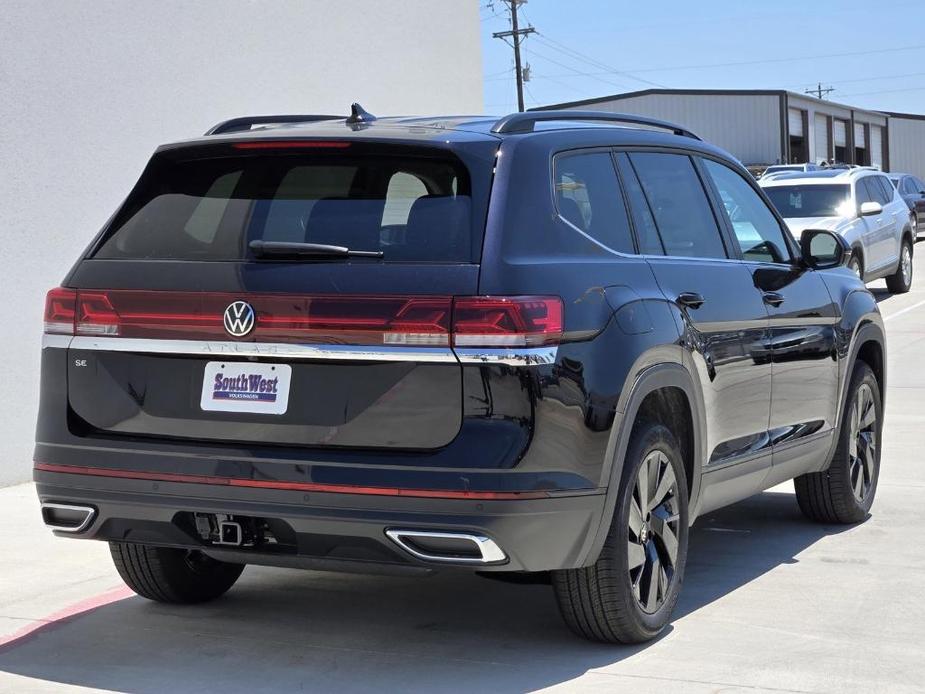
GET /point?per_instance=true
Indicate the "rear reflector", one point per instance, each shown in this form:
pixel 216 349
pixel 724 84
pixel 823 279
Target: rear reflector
pixel 291 486
pixel 436 321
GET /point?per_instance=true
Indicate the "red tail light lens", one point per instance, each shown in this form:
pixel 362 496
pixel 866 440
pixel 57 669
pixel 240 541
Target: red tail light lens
pixel 351 320
pixel 60 308
pixel 96 314
pixel 519 321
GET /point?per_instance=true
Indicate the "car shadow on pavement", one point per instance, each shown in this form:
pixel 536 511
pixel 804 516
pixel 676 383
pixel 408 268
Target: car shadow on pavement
pixel 281 630
pixel 881 294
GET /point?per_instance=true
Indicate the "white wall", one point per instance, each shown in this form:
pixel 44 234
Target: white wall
pixel 747 126
pixel 88 88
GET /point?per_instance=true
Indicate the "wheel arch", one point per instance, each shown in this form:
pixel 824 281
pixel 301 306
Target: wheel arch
pixel 909 236
pixel 858 249
pixel 668 388
pixel 870 349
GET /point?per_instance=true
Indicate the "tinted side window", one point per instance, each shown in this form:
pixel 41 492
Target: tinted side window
pixel 679 204
pixel 646 231
pixel 862 192
pixel 756 229
pixel 886 188
pixel 588 197
pixel 918 186
pixel 908 186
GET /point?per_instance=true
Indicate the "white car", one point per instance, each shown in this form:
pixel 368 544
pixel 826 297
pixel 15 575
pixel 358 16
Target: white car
pixel 775 169
pixel 862 206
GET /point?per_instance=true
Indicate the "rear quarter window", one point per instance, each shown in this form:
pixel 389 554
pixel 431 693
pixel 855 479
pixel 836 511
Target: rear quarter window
pixel 588 197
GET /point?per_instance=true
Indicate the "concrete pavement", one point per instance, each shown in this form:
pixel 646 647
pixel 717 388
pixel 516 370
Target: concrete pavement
pixel 771 603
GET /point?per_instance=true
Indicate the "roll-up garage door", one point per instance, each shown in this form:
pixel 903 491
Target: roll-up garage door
pixel 822 138
pixel 859 140
pixel 841 133
pixel 795 122
pixel 876 146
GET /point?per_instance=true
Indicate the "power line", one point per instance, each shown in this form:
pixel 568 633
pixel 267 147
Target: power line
pixel 575 72
pixel 776 60
pixel 884 91
pixel 576 55
pixel 864 79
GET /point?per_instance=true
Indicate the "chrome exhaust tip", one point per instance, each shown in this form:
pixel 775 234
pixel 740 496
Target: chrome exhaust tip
pixel 67 518
pixel 448 547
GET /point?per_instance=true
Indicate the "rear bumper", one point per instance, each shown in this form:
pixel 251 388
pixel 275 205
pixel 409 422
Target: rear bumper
pixel 333 531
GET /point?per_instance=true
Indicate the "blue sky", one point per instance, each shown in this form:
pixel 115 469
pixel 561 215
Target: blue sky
pixel 589 48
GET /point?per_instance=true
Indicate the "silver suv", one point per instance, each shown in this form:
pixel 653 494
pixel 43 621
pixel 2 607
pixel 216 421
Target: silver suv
pixel 859 204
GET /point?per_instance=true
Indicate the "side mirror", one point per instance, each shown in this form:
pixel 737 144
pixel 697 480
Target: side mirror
pixel 822 249
pixel 869 209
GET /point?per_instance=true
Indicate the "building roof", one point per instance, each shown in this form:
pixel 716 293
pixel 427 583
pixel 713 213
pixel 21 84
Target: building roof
pixel 707 92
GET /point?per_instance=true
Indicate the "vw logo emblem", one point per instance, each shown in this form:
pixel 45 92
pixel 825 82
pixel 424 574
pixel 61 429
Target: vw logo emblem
pixel 239 318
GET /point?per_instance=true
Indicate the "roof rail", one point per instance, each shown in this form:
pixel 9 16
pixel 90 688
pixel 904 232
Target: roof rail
pixel 236 125
pixel 526 122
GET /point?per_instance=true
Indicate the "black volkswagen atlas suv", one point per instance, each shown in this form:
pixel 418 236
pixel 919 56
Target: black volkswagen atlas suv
pixel 536 347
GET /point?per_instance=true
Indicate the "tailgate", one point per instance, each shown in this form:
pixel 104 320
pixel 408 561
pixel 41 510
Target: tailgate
pixel 182 332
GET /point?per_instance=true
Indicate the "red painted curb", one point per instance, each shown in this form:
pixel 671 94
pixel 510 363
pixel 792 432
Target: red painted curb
pixel 61 616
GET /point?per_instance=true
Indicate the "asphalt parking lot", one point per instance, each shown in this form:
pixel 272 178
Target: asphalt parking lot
pixel 771 603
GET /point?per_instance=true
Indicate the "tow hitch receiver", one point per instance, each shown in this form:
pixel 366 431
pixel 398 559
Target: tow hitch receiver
pixel 229 531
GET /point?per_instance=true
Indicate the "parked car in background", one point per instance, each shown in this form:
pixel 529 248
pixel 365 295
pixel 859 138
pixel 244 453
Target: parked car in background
pixel 863 206
pixel 405 345
pixel 912 190
pixel 790 168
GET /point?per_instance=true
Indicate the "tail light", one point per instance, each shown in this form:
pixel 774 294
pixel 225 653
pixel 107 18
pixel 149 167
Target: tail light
pixel 350 320
pixel 522 321
pixel 60 307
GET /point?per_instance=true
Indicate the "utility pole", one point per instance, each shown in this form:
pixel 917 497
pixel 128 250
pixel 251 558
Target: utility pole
pixel 515 33
pixel 820 92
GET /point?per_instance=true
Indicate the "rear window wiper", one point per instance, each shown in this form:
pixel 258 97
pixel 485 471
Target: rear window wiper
pixel 292 249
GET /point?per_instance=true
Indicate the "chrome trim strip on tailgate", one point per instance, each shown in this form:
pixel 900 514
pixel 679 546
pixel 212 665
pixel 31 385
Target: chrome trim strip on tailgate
pixel 58 341
pixel 526 356
pixel 278 350
pixel 522 356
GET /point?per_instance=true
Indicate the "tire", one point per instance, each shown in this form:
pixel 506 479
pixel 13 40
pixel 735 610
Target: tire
pixel 170 575
pixel 845 491
pixel 603 602
pixel 901 281
pixel 855 265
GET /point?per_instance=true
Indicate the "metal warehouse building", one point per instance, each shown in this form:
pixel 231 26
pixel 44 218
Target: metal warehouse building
pixel 763 127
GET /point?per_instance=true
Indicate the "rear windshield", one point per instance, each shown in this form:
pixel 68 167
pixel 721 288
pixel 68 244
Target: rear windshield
pixel 811 201
pixel 412 208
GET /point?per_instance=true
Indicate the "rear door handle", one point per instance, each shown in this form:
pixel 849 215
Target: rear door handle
pixel 690 299
pixel 773 298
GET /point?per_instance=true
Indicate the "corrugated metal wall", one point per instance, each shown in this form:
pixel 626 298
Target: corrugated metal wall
pixel 907 145
pixel 748 126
